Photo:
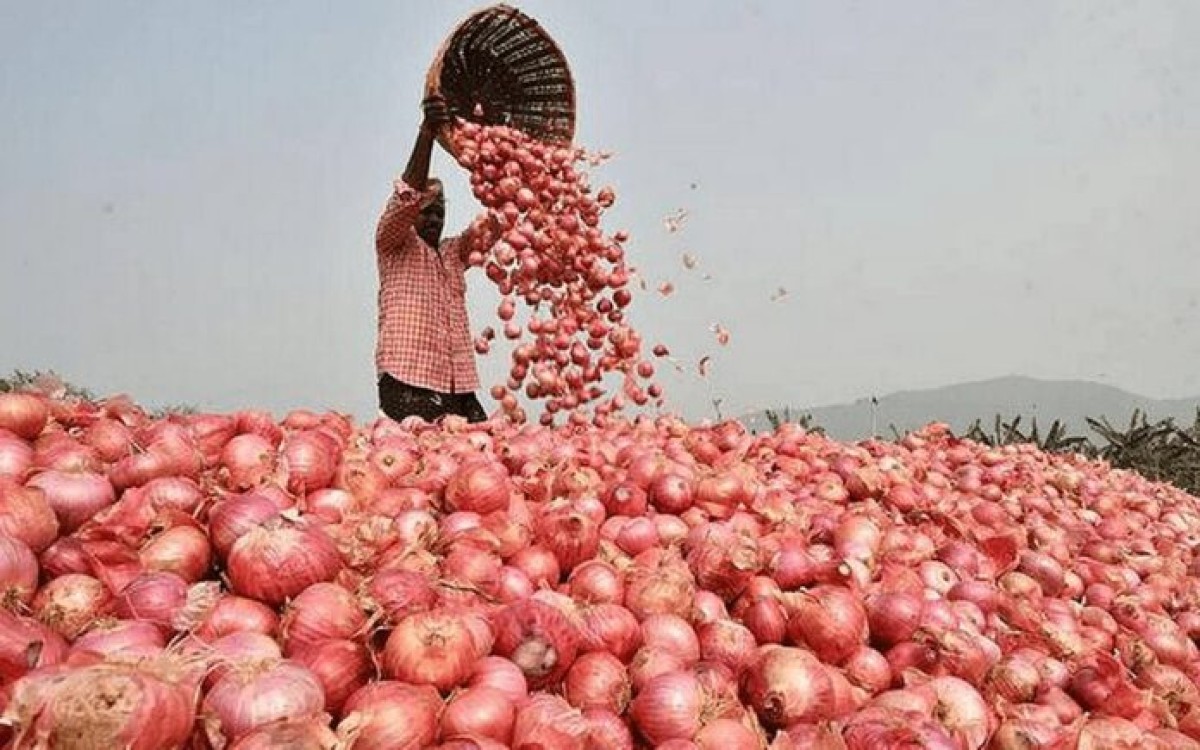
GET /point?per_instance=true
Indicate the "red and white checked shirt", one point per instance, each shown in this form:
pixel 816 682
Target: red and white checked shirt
pixel 424 336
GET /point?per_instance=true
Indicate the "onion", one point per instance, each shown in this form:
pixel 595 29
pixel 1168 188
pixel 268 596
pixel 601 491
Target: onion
pixel 23 414
pixel 16 458
pixel 27 644
pixel 139 706
pixel 611 628
pixel 726 642
pixel 724 562
pixel 310 459
pixel 672 706
pixel 501 675
pixel 154 597
pixel 480 486
pixel 183 550
pixel 236 614
pixel 539 564
pixel 548 721
pixel 18 572
pixel 727 734
pixel 230 519
pixel 322 612
pixel 276 561
pixel 659 585
pixel 538 638
pixel 386 715
pixel 26 515
pixel 297 734
pixel 569 534
pixel 234 651
pixel 248 460
pixel 432 648
pixel 893 617
pixel 400 593
pixel 1105 732
pixel 341 666
pixel 596 582
pixel 71 603
pixel 830 620
pixel 869 670
pixel 74 496
pixel 765 617
pixel 253 695
pixel 482 712
pixel 961 710
pixel 598 680
pixel 786 686
pixel 606 730
pixel 125 637
pixel 672 634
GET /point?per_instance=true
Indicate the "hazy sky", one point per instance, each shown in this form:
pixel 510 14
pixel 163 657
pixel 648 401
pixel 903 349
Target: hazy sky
pixel 947 191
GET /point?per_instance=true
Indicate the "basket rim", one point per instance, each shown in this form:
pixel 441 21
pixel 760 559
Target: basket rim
pixel 434 73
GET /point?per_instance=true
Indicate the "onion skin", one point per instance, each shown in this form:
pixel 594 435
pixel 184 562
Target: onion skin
pixel 253 695
pixel 115 705
pixel 385 715
pixel 538 638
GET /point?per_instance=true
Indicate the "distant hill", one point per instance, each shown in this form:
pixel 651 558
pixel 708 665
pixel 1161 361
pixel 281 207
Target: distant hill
pixel 1070 401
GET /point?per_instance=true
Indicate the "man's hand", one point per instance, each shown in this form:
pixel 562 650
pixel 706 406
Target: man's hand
pixel 437 114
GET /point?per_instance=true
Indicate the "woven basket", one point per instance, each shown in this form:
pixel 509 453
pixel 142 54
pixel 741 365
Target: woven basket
pixel 501 61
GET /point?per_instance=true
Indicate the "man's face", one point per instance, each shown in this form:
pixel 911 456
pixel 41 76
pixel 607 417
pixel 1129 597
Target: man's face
pixel 432 217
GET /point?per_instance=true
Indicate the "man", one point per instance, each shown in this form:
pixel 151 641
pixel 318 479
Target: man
pixel 424 356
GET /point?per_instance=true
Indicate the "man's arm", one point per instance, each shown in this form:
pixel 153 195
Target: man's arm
pixel 409 191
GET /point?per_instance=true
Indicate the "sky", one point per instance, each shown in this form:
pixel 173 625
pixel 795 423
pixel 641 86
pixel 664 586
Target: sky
pixel 946 191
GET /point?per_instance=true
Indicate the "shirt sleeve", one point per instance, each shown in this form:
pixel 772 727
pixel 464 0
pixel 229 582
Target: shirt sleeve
pixel 399 215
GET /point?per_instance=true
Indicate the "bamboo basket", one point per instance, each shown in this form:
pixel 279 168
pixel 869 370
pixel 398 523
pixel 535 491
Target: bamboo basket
pixel 500 67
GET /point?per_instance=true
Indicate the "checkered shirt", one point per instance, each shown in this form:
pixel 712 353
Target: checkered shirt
pixel 424 335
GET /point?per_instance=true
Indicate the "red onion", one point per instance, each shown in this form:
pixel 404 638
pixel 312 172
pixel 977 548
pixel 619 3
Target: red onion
pixel 26 515
pixel 786 686
pixel 23 414
pixel 137 706
pixel 606 730
pixel 598 680
pixel 322 612
pixel 341 666
pixel 431 648
pixel 727 734
pixel 830 620
pixel 659 585
pixel 310 460
pixel 74 496
pixel 16 458
pixel 235 651
pixel 673 634
pixel 386 715
pixel 539 564
pixel 71 603
pixel 400 593
pixel 596 582
pixel 297 734
pixel 276 561
pixel 480 712
pixel 671 706
pixel 231 518
pixel 765 617
pixel 548 721
pixel 570 535
pixel 235 614
pixel 724 562
pixel 125 637
pixel 961 710
pixel 253 695
pixel 27 644
pixel 18 572
pixel 154 597
pixel 480 486
pixel 893 617
pixel 183 550
pixel 726 642
pixel 537 638
pixel 501 675
pixel 248 460
pixel 610 628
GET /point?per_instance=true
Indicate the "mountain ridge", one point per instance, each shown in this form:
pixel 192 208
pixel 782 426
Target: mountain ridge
pixel 1010 396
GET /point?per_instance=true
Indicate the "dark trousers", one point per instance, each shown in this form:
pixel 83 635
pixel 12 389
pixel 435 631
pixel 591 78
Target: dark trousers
pixel 399 400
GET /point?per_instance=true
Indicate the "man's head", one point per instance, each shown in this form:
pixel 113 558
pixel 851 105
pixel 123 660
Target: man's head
pixel 433 215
